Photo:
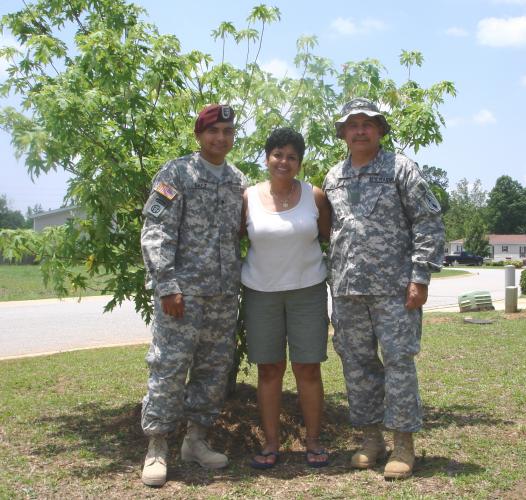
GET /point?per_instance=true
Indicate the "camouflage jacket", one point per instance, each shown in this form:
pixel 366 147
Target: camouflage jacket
pixel 386 227
pixel 190 237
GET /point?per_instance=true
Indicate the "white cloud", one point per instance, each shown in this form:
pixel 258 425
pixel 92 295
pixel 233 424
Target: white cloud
pixel 456 32
pixel 510 2
pixel 454 121
pixel 484 117
pixel 280 68
pixel 500 32
pixel 349 27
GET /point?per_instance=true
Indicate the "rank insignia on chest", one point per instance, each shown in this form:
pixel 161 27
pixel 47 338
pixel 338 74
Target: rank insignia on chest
pixel 166 190
pixel 380 179
pixel 355 196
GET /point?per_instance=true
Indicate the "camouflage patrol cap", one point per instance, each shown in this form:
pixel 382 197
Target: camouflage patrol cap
pixel 212 114
pixel 360 106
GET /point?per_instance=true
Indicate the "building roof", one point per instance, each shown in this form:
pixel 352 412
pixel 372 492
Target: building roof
pixel 507 239
pixel 71 208
pixel 501 239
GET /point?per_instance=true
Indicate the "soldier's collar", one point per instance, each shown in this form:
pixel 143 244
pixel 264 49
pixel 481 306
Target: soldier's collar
pixel 374 167
pixel 227 175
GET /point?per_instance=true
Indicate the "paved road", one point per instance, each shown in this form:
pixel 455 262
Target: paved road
pixel 444 292
pixel 46 326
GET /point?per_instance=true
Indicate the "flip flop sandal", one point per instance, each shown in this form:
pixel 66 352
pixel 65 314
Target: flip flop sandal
pixel 265 465
pixel 315 463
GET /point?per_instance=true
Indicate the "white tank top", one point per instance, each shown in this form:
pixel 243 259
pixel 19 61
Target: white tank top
pixel 284 251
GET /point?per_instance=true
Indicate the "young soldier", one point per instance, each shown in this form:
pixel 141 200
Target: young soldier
pixel 190 245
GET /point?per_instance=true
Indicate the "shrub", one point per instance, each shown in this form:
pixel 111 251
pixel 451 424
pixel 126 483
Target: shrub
pixel 518 264
pixel 523 282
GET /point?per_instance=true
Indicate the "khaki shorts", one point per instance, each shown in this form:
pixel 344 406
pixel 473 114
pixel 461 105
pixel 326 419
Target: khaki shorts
pixel 294 317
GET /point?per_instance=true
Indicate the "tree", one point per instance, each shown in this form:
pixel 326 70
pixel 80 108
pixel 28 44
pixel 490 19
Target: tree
pixel 120 102
pixel 476 236
pixel 438 182
pixel 507 207
pixel 10 219
pixel 464 203
pixel 34 210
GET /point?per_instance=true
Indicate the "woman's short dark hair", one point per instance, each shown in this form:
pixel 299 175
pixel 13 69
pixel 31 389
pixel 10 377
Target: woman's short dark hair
pixel 282 137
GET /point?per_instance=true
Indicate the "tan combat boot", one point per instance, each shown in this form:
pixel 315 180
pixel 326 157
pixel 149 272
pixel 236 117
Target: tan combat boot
pixel 154 471
pixel 196 449
pixel 373 448
pixel 402 459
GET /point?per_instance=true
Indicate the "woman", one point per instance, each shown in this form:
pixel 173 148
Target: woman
pixel 285 292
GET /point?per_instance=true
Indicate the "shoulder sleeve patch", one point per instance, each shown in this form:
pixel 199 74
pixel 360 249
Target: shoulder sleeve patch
pixel 166 190
pixel 431 202
pixel 156 205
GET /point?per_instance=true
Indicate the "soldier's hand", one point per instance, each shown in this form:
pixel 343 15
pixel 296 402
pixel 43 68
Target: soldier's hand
pixel 173 305
pixel 416 295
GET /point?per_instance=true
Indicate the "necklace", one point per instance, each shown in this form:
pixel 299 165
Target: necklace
pixel 285 202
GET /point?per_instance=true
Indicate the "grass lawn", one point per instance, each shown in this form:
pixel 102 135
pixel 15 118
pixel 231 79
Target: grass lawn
pixel 69 426
pixel 25 282
pixel 448 273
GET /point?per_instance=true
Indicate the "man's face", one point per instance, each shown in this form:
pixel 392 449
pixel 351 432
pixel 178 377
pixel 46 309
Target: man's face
pixel 216 141
pixel 362 134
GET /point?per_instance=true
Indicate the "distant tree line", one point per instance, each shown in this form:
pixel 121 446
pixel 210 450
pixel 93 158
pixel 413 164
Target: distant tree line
pixel 14 219
pixel 470 213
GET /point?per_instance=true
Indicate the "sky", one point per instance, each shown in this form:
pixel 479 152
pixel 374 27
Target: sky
pixel 480 45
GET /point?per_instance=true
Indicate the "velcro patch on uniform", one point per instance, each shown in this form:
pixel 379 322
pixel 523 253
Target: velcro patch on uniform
pixel 203 185
pixel 155 206
pixel 378 179
pixel 166 190
pixel 431 202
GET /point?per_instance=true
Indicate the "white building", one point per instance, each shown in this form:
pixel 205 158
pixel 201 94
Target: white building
pixel 501 246
pixel 56 217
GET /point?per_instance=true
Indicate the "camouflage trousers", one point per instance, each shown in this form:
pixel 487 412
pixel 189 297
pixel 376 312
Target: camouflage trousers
pixel 379 390
pixel 189 361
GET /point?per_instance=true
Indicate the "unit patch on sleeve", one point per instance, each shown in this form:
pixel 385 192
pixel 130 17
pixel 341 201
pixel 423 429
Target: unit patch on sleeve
pixel 155 205
pixel 431 202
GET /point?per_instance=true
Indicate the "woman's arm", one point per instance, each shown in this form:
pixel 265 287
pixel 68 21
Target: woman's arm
pixel 324 209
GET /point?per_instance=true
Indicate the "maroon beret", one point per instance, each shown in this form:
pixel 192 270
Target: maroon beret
pixel 212 114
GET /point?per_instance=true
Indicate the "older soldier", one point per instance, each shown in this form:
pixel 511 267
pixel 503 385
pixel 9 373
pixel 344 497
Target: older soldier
pixel 190 245
pixel 387 236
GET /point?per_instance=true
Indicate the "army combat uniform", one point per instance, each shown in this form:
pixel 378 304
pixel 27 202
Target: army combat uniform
pixel 386 232
pixel 190 245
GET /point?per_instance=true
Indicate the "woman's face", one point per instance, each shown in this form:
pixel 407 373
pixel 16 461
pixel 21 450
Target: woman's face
pixel 283 163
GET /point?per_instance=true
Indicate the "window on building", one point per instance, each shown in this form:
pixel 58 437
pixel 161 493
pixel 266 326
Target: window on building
pixel 522 251
pixel 504 248
pixel 459 249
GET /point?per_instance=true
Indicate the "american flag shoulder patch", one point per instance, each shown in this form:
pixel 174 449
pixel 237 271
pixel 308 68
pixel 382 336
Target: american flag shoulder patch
pixel 166 190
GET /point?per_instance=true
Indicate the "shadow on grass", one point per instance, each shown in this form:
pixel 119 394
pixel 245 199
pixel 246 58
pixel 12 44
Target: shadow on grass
pixel 96 440
pixel 459 416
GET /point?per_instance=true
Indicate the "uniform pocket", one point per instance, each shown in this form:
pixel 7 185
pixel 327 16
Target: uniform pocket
pixel 370 198
pixel 339 198
pixel 231 203
pixel 201 199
